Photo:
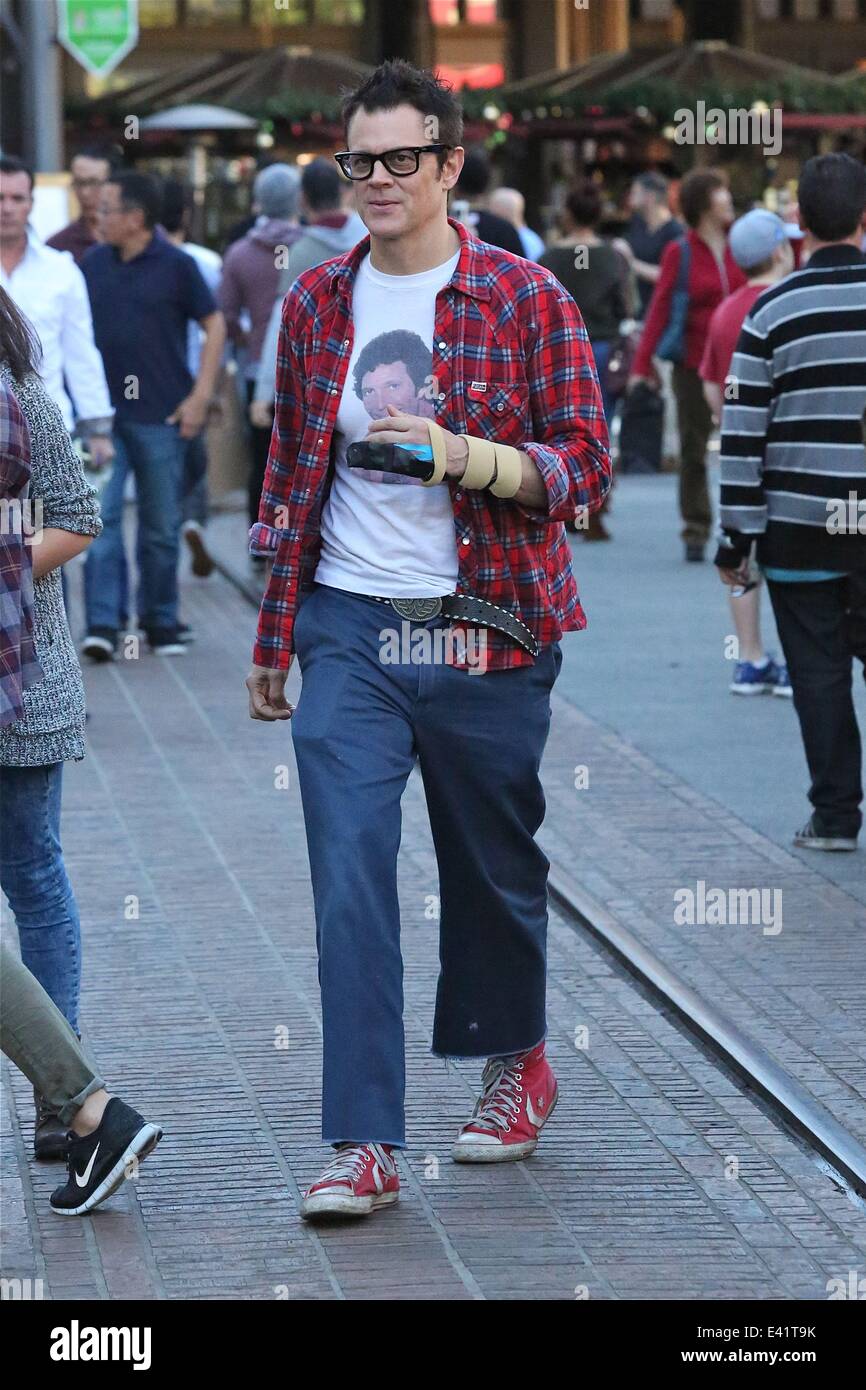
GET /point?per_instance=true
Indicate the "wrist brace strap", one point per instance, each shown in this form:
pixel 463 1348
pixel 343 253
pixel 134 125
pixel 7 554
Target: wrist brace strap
pixel 481 463
pixel 509 473
pixel 437 444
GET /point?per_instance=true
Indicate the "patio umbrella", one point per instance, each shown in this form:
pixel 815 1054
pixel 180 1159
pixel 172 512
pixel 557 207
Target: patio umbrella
pixel 196 120
pixel 246 82
pixel 691 69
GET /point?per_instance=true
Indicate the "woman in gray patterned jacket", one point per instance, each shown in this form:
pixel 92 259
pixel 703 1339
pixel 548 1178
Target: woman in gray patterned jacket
pixel 51 730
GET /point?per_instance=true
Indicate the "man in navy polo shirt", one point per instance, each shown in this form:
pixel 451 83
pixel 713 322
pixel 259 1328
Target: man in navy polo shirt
pixel 144 292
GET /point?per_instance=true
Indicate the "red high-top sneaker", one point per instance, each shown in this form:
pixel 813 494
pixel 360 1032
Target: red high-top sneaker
pixel 517 1097
pixel 361 1178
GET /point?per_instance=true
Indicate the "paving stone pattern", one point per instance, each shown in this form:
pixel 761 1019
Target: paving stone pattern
pixel 189 861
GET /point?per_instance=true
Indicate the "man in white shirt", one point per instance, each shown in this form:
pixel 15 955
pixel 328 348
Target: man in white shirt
pixel 49 289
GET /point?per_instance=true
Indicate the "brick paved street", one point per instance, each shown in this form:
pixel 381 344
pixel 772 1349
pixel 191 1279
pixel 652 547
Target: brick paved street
pixel 188 857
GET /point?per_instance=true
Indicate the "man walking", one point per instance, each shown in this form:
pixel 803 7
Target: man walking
pixel 761 246
pixel 91 169
pixel 175 220
pixel 144 293
pixel 329 231
pixel 471 192
pixel 511 204
pixel 49 290
pixel 251 273
pixel 651 227
pixel 470 543
pixel 794 483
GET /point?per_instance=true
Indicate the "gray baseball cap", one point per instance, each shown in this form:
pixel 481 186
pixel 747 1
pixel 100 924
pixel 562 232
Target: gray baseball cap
pixel 755 236
pixel 276 189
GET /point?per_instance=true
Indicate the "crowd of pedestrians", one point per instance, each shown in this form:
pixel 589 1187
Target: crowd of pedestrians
pixel 426 451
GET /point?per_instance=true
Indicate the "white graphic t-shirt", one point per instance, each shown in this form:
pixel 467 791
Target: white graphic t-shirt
pixel 395 536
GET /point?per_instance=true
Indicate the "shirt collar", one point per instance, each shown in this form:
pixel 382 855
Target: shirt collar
pixel 156 243
pixel 840 254
pixel 472 274
pixel 35 245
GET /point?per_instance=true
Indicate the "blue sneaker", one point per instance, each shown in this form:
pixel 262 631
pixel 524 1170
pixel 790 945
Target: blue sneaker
pixel 783 683
pixel 750 679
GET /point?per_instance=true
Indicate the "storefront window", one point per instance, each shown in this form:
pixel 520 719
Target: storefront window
pixel 339 11
pixel 289 12
pixel 157 14
pixel 166 14
pixel 215 11
pixel 657 10
pixel 463 11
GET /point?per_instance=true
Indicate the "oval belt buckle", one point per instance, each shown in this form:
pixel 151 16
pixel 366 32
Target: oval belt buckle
pixel 417 610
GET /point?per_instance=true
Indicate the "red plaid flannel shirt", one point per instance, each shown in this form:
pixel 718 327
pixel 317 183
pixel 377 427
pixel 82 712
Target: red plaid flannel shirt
pixel 512 363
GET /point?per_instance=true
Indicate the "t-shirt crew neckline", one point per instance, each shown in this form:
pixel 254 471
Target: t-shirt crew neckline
pixel 421 279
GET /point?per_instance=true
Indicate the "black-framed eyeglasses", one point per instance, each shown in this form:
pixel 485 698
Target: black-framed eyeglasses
pixel 358 164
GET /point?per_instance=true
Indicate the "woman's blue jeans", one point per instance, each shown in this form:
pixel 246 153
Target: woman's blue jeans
pixel 33 877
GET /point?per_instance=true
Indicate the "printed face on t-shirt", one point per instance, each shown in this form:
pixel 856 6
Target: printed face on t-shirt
pixel 394 368
pixel 391 384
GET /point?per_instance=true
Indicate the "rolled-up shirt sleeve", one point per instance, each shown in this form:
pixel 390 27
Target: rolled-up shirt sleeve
pixel 570 447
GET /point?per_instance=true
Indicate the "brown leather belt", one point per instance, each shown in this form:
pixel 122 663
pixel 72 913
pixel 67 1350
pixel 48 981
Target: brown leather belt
pixel 463 608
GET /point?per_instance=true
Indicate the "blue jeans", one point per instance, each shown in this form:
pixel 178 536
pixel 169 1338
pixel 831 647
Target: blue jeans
pixel 359 727
pixel 194 486
pixel 156 454
pixel 33 877
pixel 602 351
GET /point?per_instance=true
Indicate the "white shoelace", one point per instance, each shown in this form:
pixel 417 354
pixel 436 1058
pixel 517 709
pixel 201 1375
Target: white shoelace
pixel 349 1164
pixel 499 1100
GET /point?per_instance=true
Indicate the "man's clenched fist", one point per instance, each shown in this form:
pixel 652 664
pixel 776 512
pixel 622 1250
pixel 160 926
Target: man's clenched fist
pixel 267 692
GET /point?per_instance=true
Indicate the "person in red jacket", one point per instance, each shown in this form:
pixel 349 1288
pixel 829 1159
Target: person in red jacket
pixel 706 205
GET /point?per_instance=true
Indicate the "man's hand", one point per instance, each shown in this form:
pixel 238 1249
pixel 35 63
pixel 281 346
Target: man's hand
pixel 738 578
pixel 652 380
pixel 261 414
pixel 101 450
pixel 190 416
pixel 398 428
pixel 267 694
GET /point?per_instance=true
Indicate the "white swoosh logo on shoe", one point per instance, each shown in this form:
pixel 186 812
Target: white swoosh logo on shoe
pixel 534 1119
pixel 84 1179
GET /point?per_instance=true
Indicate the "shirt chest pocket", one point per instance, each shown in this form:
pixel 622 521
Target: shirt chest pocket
pixel 497 410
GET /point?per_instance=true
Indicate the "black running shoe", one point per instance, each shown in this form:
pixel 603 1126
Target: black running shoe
pixel 165 641
pixel 97 1163
pixel 100 644
pixel 810 837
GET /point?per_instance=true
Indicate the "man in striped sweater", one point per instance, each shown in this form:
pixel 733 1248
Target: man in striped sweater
pixel 793 472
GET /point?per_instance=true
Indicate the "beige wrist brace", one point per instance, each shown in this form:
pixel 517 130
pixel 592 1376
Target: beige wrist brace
pixel 440 453
pixel 481 464
pixel 489 465
pixel 509 471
